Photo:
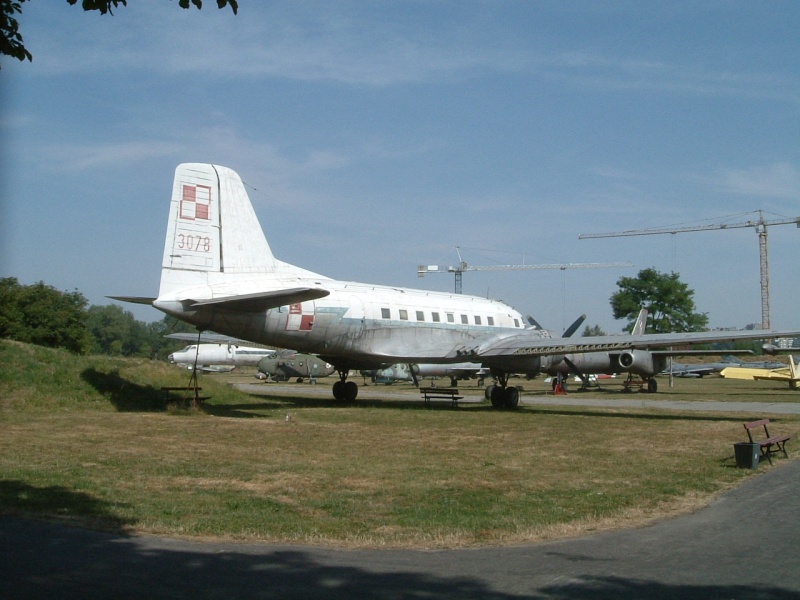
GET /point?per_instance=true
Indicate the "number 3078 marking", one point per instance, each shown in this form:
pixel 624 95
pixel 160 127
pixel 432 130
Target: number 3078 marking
pixel 197 243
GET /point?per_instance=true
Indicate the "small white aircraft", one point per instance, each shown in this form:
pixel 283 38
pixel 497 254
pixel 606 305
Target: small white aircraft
pixel 216 355
pixel 219 273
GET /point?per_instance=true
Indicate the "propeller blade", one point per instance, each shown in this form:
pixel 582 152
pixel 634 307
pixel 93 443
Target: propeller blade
pixel 533 322
pixel 414 369
pixel 577 371
pixel 574 327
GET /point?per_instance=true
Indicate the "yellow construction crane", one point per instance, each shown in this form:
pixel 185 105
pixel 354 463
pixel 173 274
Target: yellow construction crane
pixel 760 226
pixel 422 270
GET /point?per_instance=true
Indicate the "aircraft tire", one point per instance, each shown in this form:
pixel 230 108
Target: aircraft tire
pixel 350 390
pixel 652 385
pixel 338 390
pixel 511 397
pixel 497 396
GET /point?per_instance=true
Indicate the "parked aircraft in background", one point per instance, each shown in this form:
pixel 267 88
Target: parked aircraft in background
pixel 642 363
pixel 219 273
pixel 700 369
pixel 287 364
pixel 790 374
pixel 414 372
pixel 210 357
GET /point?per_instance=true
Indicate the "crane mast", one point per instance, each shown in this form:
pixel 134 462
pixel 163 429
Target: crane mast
pixel 760 226
pixel 459 270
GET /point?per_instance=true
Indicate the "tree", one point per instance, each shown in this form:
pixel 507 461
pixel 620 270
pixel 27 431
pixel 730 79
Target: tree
pixel 40 314
pixel 11 43
pixel 592 330
pixel 11 40
pixel 669 302
pixel 111 329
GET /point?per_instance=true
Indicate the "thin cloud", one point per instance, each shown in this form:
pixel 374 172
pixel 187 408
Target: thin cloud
pixel 72 158
pixel 339 44
pixel 780 180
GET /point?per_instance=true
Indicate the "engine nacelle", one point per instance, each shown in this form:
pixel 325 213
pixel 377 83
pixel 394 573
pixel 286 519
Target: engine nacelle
pixel 642 362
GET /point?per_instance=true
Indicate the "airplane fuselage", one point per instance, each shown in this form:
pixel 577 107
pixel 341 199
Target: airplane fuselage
pixel 219 354
pixel 361 325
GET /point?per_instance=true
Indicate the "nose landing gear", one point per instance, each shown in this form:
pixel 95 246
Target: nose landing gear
pixel 344 390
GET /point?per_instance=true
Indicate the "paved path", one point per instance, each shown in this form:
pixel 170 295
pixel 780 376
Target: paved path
pixel 743 546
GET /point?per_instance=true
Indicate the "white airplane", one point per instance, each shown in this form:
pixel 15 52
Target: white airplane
pixel 222 354
pixel 219 273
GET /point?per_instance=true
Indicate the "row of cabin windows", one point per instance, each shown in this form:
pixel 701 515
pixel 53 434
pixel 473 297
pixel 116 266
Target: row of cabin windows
pixel 436 317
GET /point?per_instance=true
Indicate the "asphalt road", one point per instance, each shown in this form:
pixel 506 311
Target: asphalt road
pixel 745 545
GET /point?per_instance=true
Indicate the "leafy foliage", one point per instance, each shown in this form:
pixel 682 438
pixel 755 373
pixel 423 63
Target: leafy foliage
pixel 104 6
pixel 10 38
pixel 667 299
pixel 11 43
pixel 592 330
pixel 40 314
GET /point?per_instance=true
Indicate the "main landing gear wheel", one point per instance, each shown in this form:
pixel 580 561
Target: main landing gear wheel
pixel 345 390
pixel 652 385
pixel 502 396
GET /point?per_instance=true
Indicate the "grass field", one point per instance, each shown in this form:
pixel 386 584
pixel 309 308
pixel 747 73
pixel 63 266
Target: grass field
pixel 91 440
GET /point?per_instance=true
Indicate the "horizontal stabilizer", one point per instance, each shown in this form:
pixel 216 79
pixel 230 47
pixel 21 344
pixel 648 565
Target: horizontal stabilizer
pixel 262 301
pixel 133 299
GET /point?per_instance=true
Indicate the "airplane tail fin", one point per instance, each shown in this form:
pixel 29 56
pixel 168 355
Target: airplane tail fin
pixel 213 232
pixel 640 324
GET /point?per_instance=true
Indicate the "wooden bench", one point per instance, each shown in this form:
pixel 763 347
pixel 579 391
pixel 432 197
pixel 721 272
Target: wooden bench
pixel 434 393
pixel 770 444
pixel 195 398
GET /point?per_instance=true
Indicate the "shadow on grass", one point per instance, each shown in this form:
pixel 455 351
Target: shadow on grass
pixel 282 402
pixel 125 395
pixel 55 501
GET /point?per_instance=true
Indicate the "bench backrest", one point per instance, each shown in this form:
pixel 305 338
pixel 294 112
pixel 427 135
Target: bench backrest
pixel 754 425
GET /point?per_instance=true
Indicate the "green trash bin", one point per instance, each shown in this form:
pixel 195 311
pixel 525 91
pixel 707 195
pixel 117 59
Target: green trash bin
pixel 747 455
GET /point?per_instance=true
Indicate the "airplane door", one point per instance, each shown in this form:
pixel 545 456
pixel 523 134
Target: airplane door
pixel 301 317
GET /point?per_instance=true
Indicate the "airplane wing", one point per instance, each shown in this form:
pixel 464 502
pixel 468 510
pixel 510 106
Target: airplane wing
pixel 686 352
pixel 529 343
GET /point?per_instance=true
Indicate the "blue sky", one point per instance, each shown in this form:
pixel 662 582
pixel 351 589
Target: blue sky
pixel 377 136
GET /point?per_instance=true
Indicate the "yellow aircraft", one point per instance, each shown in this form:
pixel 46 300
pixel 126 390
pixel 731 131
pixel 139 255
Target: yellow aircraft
pixel 790 373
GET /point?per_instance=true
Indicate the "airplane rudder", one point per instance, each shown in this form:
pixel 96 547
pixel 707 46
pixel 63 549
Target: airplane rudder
pixel 244 245
pixel 192 241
